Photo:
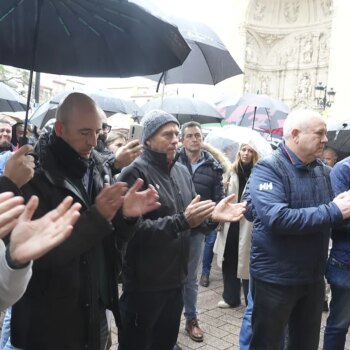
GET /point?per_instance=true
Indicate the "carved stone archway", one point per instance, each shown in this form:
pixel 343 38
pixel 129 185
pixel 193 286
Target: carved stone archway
pixel 287 48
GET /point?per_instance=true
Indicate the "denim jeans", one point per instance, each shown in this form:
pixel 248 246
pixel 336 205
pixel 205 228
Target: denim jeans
pixel 275 306
pixel 190 288
pixel 338 322
pixel 208 252
pixel 5 340
pixel 245 334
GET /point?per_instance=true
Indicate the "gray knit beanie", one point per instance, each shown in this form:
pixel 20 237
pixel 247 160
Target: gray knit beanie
pixel 153 121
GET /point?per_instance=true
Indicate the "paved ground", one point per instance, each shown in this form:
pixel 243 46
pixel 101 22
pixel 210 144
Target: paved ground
pixel 221 326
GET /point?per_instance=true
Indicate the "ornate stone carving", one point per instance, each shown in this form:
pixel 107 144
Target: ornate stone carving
pixel 304 88
pixel 288 55
pixel 271 38
pixel 324 46
pixel 250 50
pixel 327 7
pixel 264 84
pixel 306 45
pixel 291 10
pixel 259 9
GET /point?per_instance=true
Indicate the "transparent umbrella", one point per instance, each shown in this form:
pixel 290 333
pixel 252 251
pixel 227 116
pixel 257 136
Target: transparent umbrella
pixel 229 138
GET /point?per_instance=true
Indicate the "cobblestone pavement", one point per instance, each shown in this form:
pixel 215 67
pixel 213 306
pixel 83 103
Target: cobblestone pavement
pixel 221 326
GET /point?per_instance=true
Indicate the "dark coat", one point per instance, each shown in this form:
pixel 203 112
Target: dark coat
pixel 208 182
pixel 156 257
pixel 293 215
pixel 60 309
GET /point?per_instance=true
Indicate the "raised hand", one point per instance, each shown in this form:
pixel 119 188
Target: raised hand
pixel 127 154
pixel 30 239
pixel 110 199
pixel 137 203
pixel 10 209
pixel 19 167
pixel 197 211
pixel 226 211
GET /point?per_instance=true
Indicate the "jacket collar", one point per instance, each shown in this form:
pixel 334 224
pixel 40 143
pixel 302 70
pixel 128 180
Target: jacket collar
pixel 159 159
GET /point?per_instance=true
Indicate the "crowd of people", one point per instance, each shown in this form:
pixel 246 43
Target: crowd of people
pixel 86 210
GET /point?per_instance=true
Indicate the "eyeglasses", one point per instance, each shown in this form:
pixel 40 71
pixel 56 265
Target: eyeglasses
pixel 105 127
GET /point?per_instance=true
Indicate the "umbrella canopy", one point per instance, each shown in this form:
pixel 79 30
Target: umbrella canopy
pixel 185 109
pixel 229 138
pixel 119 121
pixel 339 136
pixel 95 38
pixel 106 101
pixel 259 112
pixel 10 100
pixel 209 61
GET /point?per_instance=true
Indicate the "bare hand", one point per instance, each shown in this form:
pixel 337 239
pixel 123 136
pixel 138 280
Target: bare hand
pixel 343 203
pixel 10 209
pixel 137 203
pixel 32 239
pixel 110 199
pixel 19 167
pixel 226 211
pixel 196 212
pixel 127 154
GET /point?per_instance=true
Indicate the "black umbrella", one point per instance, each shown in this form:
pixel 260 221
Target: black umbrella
pixel 10 100
pixel 97 38
pixel 185 109
pixel 209 61
pixel 105 100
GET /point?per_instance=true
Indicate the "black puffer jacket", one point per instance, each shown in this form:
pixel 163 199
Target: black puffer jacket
pixel 208 182
pixel 60 309
pixel 156 257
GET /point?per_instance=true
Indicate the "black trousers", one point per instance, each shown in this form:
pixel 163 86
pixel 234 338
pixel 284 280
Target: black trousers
pixel 232 284
pixel 276 306
pixel 150 320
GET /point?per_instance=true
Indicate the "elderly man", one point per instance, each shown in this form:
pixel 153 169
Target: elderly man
pixel 156 257
pixel 291 196
pixel 73 285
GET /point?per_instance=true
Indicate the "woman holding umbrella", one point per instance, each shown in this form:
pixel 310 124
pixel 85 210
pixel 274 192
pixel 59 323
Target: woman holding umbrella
pixel 232 245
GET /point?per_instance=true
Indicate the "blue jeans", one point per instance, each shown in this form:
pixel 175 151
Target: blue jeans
pixel 338 322
pixel 5 340
pixel 245 333
pixel 190 288
pixel 208 252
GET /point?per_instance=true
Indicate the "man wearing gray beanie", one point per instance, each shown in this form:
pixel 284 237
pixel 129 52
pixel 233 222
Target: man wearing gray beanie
pixel 155 263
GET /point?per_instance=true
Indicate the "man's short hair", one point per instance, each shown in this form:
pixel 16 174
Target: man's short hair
pixel 191 124
pixel 298 119
pixel 5 121
pixel 70 102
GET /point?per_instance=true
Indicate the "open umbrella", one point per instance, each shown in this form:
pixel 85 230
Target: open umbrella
pixel 97 38
pixel 339 136
pixel 259 112
pixel 105 100
pixel 229 138
pixel 10 100
pixel 185 109
pixel 209 61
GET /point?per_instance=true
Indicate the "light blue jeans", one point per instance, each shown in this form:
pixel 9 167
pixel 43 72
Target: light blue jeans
pixel 245 333
pixel 190 288
pixel 5 340
pixel 338 322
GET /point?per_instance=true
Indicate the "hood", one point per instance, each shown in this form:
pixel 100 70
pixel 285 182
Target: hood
pixel 218 156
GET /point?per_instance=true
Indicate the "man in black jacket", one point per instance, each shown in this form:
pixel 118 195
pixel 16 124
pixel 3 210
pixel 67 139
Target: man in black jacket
pixel 206 175
pixel 155 263
pixel 72 286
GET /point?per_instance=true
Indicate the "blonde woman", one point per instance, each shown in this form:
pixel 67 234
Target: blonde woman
pixel 232 245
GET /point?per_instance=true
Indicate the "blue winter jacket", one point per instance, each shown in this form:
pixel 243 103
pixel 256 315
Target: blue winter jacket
pixel 293 215
pixel 340 179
